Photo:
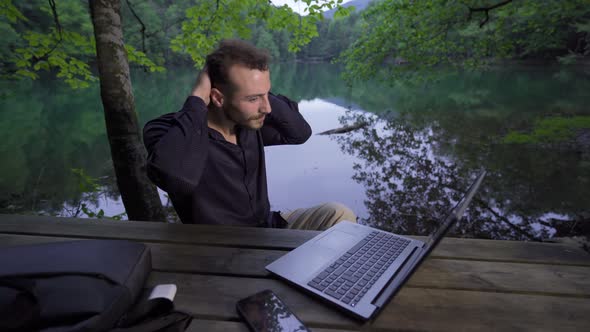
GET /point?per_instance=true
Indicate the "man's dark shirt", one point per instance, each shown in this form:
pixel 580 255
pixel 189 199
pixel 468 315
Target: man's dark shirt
pixel 210 180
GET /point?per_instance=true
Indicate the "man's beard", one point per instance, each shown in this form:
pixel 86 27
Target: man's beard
pixel 248 123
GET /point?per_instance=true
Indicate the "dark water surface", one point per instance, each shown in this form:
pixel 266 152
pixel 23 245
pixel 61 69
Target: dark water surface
pixel 418 148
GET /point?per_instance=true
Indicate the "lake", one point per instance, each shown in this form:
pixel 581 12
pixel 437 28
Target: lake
pixel 417 149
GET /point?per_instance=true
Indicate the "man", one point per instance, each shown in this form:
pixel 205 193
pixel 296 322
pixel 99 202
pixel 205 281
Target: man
pixel 209 156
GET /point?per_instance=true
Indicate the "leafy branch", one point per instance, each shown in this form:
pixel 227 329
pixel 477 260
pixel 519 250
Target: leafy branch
pixel 59 31
pixel 486 10
pixel 90 186
pixel 212 20
pixel 198 36
pixel 142 30
pixel 55 16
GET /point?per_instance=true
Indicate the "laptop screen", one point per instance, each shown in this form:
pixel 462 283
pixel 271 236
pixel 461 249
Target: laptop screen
pixel 455 214
pixel 415 260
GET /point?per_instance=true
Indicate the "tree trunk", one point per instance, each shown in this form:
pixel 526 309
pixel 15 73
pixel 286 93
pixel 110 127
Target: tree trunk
pixel 139 195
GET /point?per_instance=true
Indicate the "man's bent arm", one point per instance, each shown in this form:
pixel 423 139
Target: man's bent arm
pixel 177 147
pixel 284 124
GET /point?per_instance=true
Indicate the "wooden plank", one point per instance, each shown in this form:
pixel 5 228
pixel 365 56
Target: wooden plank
pixel 154 231
pixel 447 310
pixel 434 273
pixel 201 325
pixel 411 309
pixel 491 250
pixel 512 251
pixel 212 260
pixel 503 277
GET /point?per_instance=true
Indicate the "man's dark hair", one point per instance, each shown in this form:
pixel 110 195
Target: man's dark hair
pixel 231 52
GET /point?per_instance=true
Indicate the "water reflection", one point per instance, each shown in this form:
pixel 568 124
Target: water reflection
pixel 317 171
pixel 45 132
pixel 412 174
pixel 421 146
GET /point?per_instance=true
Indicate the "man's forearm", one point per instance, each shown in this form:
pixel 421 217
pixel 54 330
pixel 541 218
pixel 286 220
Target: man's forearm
pixel 284 125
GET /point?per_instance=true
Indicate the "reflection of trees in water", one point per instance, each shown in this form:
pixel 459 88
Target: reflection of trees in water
pixel 49 130
pixel 414 174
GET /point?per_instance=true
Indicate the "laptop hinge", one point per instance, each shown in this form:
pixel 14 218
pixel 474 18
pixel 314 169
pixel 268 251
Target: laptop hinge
pixel 399 278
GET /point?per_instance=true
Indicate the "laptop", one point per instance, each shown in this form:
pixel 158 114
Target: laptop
pixel 360 268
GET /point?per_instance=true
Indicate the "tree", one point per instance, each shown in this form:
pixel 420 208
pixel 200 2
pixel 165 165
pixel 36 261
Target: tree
pixel 139 195
pixel 265 40
pixel 424 34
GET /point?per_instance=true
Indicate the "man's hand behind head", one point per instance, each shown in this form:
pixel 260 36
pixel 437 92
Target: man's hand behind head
pixel 202 87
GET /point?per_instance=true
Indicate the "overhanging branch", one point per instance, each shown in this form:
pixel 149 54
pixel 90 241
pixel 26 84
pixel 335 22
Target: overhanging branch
pixel 486 10
pixel 55 17
pixel 59 31
pixel 175 22
pixel 140 22
pixel 208 31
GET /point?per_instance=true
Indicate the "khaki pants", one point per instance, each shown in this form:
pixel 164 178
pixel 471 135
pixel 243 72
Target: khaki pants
pixel 319 217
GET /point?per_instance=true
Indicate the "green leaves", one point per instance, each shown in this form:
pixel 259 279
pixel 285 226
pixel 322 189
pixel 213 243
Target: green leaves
pixel 47 51
pixel 30 49
pixel 90 186
pixel 67 53
pixel 10 12
pixel 86 183
pixel 342 12
pixel 210 21
pixel 550 130
pixel 138 57
pixel 402 38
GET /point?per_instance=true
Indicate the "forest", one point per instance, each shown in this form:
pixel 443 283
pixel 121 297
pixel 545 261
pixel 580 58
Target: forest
pixel 57 36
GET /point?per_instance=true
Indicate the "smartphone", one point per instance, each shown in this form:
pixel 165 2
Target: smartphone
pixel 265 312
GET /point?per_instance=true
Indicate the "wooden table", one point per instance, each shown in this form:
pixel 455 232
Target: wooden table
pixel 465 285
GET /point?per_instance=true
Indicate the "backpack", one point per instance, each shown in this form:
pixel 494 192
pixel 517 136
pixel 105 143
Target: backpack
pixel 87 286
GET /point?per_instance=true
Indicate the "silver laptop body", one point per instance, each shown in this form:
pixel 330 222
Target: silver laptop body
pixel 383 261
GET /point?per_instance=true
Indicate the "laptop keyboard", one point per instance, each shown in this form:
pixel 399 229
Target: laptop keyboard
pixel 349 278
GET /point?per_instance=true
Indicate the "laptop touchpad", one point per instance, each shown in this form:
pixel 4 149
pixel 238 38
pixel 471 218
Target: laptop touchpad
pixel 337 240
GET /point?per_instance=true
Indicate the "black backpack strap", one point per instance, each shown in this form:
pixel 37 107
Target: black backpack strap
pixel 19 306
